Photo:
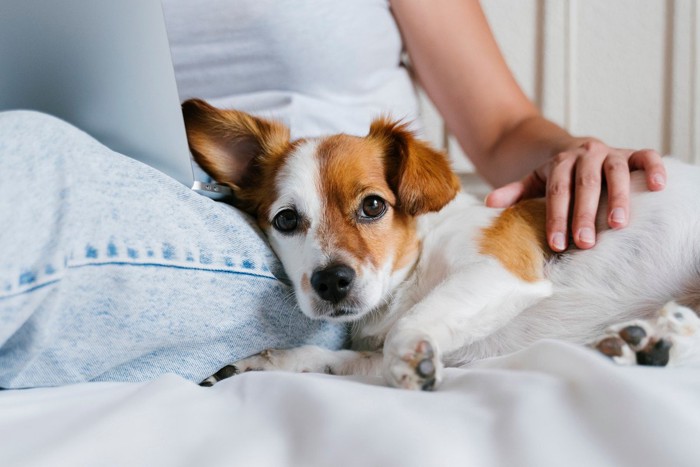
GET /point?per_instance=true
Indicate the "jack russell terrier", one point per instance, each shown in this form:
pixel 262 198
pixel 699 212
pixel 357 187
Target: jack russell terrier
pixel 373 231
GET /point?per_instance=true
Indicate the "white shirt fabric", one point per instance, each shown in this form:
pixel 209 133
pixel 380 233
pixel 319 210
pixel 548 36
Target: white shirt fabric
pixel 319 66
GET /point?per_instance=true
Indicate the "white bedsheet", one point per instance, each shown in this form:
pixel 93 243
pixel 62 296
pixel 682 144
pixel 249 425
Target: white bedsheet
pixel 552 404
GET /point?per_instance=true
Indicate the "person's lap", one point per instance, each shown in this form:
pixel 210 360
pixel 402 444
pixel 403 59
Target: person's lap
pixel 112 271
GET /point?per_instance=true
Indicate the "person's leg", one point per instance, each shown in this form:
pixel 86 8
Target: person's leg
pixel 110 270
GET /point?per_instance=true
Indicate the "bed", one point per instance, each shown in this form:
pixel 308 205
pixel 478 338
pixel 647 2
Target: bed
pixel 551 404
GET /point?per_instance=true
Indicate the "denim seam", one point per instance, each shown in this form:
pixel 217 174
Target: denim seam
pixel 30 289
pixel 173 266
pixel 57 278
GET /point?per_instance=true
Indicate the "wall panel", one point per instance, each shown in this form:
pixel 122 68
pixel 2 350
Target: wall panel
pixel 627 71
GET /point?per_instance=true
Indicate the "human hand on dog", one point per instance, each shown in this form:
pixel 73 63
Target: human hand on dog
pixel 572 180
pixel 503 132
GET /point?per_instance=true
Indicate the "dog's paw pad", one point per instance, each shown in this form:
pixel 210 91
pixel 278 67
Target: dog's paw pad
pixel 611 346
pixel 636 343
pixel 656 353
pixel 422 361
pixel 418 368
pixel 634 335
pixel 426 368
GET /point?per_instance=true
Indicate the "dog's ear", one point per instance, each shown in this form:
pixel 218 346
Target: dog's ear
pixel 231 145
pixel 420 176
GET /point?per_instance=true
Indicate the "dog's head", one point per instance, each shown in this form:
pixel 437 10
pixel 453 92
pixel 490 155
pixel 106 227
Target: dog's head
pixel 339 211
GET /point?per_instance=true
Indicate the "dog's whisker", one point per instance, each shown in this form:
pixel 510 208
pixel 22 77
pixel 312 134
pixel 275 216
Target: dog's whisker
pixel 290 300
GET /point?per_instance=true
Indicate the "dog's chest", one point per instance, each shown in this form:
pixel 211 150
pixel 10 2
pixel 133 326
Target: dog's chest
pixel 449 243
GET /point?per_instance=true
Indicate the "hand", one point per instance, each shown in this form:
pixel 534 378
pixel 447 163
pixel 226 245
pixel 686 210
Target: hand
pixel 576 176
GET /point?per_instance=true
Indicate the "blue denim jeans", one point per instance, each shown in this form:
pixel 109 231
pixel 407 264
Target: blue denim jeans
pixel 112 271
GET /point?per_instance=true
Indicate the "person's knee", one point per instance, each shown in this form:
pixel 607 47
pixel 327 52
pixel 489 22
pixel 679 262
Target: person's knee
pixel 28 128
pixel 19 119
pixel 41 147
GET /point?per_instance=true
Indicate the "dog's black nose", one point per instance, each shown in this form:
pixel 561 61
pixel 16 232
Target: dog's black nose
pixel 333 283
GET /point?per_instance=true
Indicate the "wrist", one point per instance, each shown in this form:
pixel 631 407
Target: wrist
pixel 526 146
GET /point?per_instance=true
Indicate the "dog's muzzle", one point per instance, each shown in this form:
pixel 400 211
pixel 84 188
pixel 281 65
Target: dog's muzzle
pixel 333 283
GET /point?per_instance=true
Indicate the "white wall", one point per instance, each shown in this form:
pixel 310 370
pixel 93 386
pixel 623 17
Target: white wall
pixel 626 71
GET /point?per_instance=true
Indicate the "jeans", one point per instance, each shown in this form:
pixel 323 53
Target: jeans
pixel 112 271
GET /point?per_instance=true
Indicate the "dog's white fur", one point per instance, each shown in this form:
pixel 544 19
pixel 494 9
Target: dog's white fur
pixel 452 303
pixel 298 182
pixel 469 307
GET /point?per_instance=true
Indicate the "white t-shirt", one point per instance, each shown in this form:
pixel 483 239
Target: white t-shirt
pixel 320 66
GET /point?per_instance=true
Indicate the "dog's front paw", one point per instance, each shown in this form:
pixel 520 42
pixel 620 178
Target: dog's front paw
pixel 225 372
pixel 265 360
pixel 305 359
pixel 413 365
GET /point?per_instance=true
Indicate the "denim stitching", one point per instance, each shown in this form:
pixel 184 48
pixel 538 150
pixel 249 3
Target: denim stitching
pixel 29 290
pixel 170 257
pixel 174 266
pixel 32 279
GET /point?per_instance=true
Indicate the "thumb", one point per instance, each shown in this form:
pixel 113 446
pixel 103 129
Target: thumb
pixel 532 186
pixel 505 196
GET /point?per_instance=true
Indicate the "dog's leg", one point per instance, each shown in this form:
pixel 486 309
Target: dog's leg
pixel 673 338
pixel 305 359
pixel 466 308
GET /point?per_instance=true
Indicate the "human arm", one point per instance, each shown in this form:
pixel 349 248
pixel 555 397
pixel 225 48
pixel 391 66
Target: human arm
pixel 458 63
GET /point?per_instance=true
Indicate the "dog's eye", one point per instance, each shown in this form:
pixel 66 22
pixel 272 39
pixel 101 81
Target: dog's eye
pixel 286 221
pixel 373 207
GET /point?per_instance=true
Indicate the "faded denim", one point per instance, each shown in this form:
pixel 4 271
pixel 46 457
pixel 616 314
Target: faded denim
pixel 112 271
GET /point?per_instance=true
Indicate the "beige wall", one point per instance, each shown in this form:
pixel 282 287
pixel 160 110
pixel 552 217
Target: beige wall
pixel 623 70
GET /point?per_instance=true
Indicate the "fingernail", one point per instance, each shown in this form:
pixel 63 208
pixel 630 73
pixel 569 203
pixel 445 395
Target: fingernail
pixel 618 216
pixel 558 241
pixel 659 180
pixel 586 235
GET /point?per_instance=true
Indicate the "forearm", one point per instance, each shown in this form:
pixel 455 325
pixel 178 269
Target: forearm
pixel 521 149
pixel 457 62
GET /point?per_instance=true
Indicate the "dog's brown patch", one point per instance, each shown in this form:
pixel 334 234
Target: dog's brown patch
pixel 246 152
pixel 352 168
pixel 238 150
pixel 517 239
pixel 420 176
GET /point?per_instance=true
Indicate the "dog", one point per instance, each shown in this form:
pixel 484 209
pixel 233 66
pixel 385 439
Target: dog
pixel 374 231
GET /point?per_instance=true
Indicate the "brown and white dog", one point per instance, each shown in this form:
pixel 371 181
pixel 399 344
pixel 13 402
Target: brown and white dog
pixel 373 230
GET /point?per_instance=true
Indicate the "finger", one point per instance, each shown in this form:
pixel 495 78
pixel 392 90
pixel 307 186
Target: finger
pixel 534 186
pixel 531 186
pixel 617 175
pixel 558 197
pixel 505 196
pixel 586 198
pixel 652 163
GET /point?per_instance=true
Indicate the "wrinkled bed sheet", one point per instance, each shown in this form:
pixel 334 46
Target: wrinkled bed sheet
pixel 552 404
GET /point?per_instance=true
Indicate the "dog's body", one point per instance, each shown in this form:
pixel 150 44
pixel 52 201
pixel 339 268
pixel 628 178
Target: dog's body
pixel 372 231
pixel 630 274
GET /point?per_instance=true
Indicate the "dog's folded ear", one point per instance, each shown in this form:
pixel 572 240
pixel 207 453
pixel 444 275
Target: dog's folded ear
pixel 420 176
pixel 229 144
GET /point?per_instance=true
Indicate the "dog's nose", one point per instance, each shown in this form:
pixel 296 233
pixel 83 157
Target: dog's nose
pixel 333 283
